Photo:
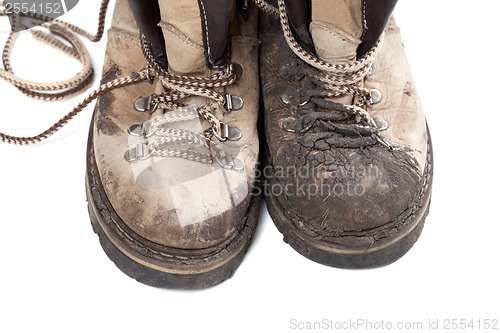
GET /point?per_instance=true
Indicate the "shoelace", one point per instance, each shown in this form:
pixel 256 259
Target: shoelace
pixel 63 36
pixel 172 142
pixel 336 80
pixel 169 142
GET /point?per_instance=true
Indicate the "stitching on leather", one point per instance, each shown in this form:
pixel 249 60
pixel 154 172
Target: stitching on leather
pixel 209 50
pixel 245 41
pixel 123 34
pixel 179 35
pixel 365 22
pixel 335 34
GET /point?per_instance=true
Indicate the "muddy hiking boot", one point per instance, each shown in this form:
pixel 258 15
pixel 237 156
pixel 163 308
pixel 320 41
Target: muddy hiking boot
pixel 349 156
pixel 173 146
pixel 172 160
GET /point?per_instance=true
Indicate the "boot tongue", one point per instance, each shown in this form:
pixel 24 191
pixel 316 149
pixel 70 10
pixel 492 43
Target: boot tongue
pixel 336 29
pixel 182 30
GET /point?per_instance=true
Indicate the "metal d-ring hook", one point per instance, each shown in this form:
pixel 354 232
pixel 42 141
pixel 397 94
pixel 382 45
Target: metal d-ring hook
pixel 225 160
pixel 227 133
pixel 139 153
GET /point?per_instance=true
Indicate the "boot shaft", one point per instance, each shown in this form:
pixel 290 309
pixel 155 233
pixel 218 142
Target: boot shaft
pixel 192 34
pixel 341 30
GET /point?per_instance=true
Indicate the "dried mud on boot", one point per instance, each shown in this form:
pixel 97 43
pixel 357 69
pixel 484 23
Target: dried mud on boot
pixel 341 197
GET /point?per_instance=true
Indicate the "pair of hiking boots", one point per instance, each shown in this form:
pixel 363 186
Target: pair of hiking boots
pixel 174 176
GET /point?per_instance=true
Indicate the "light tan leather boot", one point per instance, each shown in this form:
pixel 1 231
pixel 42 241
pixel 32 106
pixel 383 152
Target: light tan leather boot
pixel 172 161
pixel 349 156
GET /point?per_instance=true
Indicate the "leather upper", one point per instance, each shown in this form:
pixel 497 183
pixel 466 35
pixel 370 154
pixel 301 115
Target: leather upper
pixel 172 201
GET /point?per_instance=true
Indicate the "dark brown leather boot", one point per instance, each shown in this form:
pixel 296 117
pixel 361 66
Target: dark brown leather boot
pixel 349 156
pixel 172 160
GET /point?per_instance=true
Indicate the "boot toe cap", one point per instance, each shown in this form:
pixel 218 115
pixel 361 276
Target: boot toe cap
pixel 351 197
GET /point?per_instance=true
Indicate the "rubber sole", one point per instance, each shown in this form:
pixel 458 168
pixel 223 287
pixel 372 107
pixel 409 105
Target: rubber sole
pixel 379 254
pixel 156 265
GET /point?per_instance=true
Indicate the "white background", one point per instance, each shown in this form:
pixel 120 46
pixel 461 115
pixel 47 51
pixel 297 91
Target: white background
pixel 54 276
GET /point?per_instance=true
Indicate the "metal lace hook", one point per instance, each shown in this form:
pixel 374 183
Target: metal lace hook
pixel 139 153
pixel 232 103
pixel 146 104
pixel 227 133
pixel 225 161
pixel 145 129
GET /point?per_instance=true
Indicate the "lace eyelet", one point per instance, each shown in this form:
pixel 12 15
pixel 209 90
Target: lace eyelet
pixel 233 103
pixel 227 133
pixel 373 69
pixel 138 153
pixel 224 159
pixel 145 104
pixel 229 163
pixel 381 124
pixel 376 96
pixel 286 99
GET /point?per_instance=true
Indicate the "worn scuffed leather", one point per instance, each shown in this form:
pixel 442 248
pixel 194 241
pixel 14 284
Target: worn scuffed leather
pixel 169 201
pixel 345 192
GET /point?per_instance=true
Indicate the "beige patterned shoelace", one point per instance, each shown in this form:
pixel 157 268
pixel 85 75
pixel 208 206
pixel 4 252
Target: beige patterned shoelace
pixel 65 37
pixel 168 142
pixel 337 80
pixel 161 140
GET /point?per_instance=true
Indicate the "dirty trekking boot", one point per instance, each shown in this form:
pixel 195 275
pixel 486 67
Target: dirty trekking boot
pixel 172 159
pixel 349 156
